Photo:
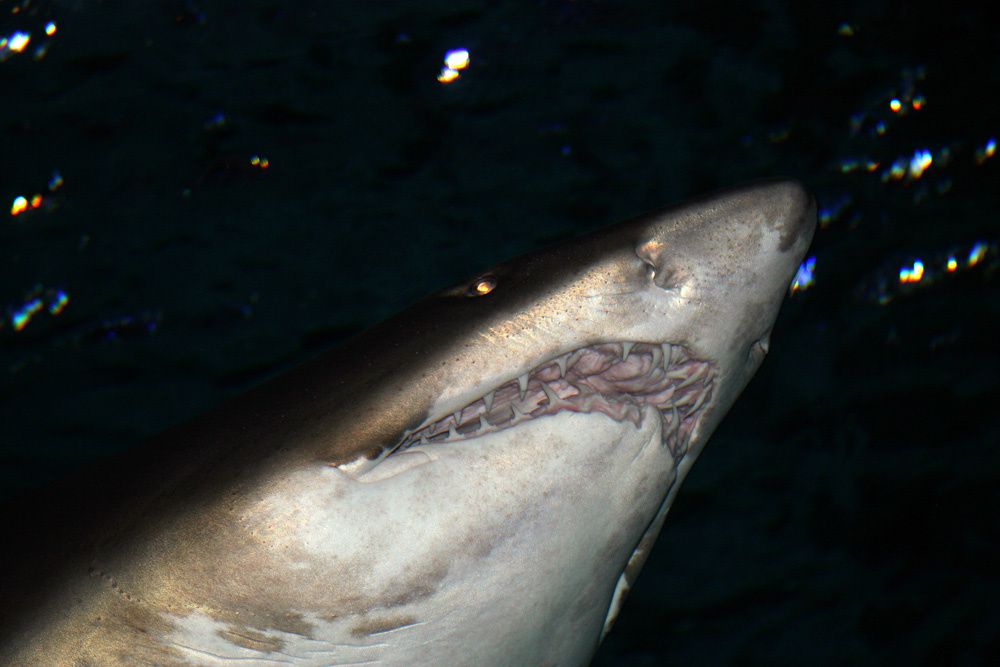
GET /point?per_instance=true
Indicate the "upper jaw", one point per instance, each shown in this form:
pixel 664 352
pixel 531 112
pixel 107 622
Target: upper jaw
pixel 618 379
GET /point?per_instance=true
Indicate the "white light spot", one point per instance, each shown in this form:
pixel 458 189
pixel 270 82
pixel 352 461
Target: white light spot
pixel 456 59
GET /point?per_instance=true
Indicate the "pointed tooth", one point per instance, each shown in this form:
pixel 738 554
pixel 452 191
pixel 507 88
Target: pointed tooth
pixel 626 348
pixel 483 424
pixel 667 349
pixel 694 377
pixel 561 361
pixel 657 357
pixel 551 395
pixel 677 374
pixel 516 410
pixel 458 416
pixel 697 404
pixel 452 433
pixel 522 384
pixel 488 400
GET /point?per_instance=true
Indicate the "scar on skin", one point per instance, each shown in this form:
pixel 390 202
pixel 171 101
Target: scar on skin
pixel 249 639
pixel 380 625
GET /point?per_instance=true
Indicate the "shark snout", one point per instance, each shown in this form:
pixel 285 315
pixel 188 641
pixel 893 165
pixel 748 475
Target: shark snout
pixel 794 212
pixel 737 233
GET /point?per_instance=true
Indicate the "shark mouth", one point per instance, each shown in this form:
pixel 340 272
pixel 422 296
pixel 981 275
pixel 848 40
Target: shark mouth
pixel 617 379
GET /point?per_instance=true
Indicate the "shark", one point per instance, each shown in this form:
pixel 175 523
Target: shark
pixel 475 481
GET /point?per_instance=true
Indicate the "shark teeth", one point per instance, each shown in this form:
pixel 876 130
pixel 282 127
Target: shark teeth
pixel 678 374
pixel 616 379
pixel 561 362
pixel 554 400
pixel 657 354
pixel 697 404
pixel 694 377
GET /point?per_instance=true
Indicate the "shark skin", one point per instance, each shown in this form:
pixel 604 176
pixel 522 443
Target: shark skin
pixel 476 481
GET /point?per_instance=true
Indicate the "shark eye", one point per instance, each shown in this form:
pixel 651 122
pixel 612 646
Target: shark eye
pixel 481 286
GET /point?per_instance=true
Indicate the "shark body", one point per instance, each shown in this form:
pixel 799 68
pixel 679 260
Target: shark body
pixel 476 481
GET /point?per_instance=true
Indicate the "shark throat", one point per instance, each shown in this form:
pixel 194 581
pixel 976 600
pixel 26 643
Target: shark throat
pixel 616 379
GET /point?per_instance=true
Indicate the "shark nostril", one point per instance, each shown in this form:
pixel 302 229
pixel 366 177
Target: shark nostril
pixel 651 254
pixel 663 278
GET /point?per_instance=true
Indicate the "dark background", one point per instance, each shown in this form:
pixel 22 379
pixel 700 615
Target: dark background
pixel 845 512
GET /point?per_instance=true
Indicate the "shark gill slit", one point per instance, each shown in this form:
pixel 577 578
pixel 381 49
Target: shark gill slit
pixel 616 379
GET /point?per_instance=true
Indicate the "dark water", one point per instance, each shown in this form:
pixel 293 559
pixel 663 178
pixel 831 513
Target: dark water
pixel 846 511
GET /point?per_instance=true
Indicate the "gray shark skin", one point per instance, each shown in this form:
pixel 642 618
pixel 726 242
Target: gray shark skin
pixel 476 481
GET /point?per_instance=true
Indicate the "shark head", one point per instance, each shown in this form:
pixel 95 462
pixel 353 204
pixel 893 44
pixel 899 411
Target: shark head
pixel 525 432
pixel 692 290
pixel 475 481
